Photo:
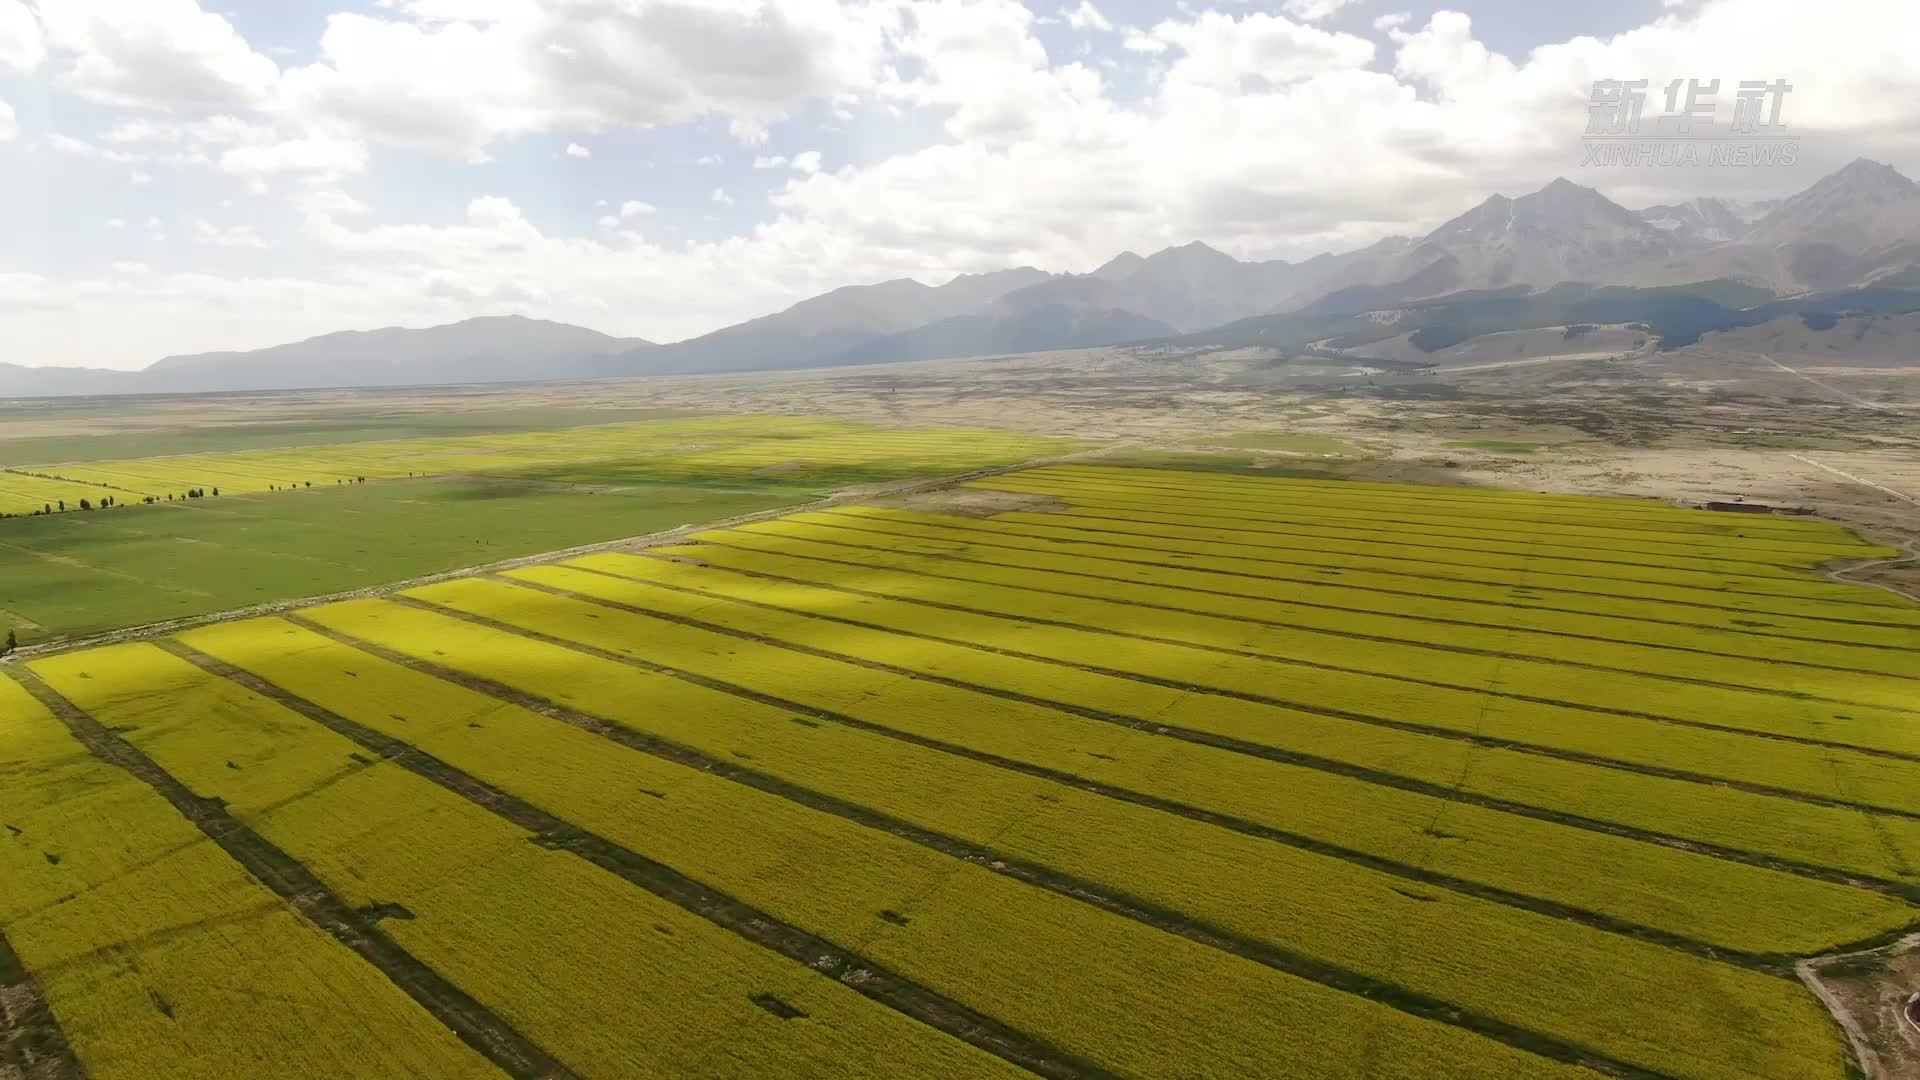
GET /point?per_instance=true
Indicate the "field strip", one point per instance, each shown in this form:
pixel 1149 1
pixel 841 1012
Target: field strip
pixel 32 1044
pixel 1286 502
pixel 1219 593
pixel 1085 627
pixel 875 817
pixel 1388 571
pixel 1721 555
pixel 1394 589
pixel 1478 501
pixel 135 926
pixel 1619 658
pixel 1759 594
pixel 857 973
pixel 1764 765
pixel 479 1028
pixel 814 764
pixel 966 927
pixel 1418 540
pixel 1258 797
pixel 1289 519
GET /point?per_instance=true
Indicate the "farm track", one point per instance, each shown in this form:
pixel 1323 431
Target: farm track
pixel 304 892
pixel 32 1044
pixel 1355 635
pixel 548 830
pixel 665 536
pixel 1216 741
pixel 1455 734
pixel 1108 899
pixel 1845 574
pixel 1776 964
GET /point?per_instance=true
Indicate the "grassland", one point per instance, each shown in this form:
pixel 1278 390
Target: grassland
pixel 1165 775
pixel 428 505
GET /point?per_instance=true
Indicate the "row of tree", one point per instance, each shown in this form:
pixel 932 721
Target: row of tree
pixel 59 506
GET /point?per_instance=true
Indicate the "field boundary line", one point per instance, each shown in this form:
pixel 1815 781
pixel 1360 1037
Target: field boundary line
pixel 984 539
pixel 32 1042
pixel 302 891
pixel 1351 634
pixel 1317 605
pixel 1112 900
pixel 664 536
pixel 1210 740
pixel 1325 710
pixel 1771 963
pixel 551 831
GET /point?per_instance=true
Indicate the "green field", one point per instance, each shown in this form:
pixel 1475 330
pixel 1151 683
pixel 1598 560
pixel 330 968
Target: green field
pixel 312 520
pixel 1187 774
pixel 70 575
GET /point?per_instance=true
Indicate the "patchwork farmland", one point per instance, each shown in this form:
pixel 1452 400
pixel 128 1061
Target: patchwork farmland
pixel 1077 771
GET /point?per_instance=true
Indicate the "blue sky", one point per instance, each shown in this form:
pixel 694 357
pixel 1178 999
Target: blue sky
pixel 181 176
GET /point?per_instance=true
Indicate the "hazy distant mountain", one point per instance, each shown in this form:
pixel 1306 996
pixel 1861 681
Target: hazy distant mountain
pixel 1857 226
pixel 508 348
pixel 1698 222
pixel 1864 206
pixel 18 381
pixel 819 329
pixel 1039 329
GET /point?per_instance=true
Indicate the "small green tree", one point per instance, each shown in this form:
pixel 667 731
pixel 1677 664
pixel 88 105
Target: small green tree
pixel 63 504
pixel 84 505
pixel 46 508
pixel 13 642
pixel 216 491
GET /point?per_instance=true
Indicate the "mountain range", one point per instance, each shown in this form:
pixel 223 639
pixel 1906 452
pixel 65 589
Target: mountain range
pixel 1856 226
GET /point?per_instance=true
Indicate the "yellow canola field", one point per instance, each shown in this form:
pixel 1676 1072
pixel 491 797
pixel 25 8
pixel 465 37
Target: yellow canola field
pixel 1441 620
pixel 1417 536
pixel 1711 900
pixel 561 949
pixel 1850 776
pixel 1836 837
pixel 1482 512
pixel 1083 979
pixel 1692 607
pixel 160 956
pixel 1630 1002
pixel 1485 503
pixel 1751 695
